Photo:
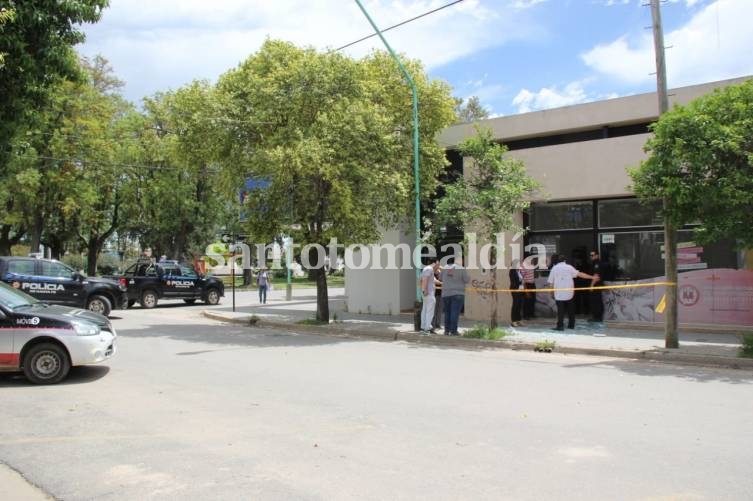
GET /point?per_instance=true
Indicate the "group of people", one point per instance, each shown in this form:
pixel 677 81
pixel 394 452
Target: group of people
pixel 562 279
pixel 451 281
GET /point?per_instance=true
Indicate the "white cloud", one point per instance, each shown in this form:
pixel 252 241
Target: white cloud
pixel 713 45
pixel 550 97
pixel 156 45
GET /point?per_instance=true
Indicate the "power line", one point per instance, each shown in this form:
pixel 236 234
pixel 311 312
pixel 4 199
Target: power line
pixel 399 24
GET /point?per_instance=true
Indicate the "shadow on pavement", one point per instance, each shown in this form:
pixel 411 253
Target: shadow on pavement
pixel 231 335
pixel 78 375
pixel 651 368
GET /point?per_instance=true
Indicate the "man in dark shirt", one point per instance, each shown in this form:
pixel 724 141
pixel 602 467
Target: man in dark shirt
pixel 599 271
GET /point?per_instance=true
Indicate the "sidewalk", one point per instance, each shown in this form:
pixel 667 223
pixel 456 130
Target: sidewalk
pixel 713 346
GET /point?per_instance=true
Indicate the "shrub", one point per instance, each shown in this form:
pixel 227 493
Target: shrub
pixel 746 350
pixel 483 332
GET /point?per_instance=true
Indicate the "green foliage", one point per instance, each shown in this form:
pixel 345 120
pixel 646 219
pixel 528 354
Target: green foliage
pixel 470 111
pixel 546 346
pixel 484 332
pixel 701 160
pixel 746 350
pixel 324 131
pixel 312 321
pixel 36 40
pixel 490 197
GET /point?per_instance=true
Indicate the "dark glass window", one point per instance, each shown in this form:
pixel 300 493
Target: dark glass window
pixel 561 216
pixel 628 212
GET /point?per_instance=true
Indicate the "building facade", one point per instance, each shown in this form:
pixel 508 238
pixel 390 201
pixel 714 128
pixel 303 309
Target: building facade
pixel 581 155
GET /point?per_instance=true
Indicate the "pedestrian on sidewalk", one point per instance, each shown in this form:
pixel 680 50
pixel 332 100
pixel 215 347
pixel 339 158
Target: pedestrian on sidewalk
pixel 561 278
pixel 436 323
pixel 516 289
pixel 529 284
pixel 262 280
pixel 428 289
pixel 454 278
pixel 597 304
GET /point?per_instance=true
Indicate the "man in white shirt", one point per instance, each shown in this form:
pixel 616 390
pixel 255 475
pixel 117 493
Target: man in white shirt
pixel 561 279
pixel 428 288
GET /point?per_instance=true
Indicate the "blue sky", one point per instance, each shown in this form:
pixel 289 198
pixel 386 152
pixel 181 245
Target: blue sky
pixel 515 55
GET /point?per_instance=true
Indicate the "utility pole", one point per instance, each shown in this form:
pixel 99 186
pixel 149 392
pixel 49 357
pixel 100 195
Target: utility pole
pixel 671 339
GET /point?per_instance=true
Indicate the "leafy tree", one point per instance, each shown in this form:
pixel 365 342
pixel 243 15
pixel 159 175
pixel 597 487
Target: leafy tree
pixel 701 161
pixel 471 110
pixel 323 131
pixel 36 40
pixel 176 206
pixel 488 199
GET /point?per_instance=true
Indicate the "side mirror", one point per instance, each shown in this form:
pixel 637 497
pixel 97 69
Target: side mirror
pixel 78 276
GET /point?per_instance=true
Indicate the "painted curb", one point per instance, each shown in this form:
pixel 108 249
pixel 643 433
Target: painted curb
pixel 340 330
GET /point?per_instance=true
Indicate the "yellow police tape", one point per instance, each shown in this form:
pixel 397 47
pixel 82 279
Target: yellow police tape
pixel 660 307
pixel 598 287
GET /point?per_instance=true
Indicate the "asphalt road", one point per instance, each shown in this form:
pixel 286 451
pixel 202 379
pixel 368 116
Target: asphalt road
pixel 194 409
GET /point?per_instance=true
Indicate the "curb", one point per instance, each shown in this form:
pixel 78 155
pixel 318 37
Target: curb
pixel 655 355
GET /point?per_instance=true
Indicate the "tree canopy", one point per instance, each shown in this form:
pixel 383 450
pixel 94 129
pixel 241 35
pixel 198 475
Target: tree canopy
pixel 36 53
pixel 701 160
pixel 330 137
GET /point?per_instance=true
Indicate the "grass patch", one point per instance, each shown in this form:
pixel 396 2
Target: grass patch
pixel 311 321
pixel 483 332
pixel 545 346
pixel 746 350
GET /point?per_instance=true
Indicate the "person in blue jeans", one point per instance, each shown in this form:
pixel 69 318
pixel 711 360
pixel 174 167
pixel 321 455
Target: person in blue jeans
pixel 262 280
pixel 454 278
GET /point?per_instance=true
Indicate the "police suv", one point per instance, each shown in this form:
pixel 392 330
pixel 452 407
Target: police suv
pixel 45 341
pixel 148 282
pixel 57 283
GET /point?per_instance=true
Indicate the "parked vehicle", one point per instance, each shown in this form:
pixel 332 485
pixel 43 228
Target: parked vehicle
pixel 54 282
pixel 148 282
pixel 45 341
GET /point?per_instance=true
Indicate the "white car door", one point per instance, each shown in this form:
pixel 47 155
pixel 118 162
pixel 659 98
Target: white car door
pixel 8 357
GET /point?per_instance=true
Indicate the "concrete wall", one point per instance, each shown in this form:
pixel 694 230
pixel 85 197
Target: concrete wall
pixel 382 291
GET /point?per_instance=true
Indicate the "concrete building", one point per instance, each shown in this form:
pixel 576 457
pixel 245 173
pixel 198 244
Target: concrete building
pixel 580 154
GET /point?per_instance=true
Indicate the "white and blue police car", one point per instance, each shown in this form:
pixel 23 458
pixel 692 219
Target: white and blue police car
pixel 44 341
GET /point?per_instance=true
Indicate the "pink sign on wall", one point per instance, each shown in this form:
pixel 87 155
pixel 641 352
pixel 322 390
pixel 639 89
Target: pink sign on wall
pixel 716 296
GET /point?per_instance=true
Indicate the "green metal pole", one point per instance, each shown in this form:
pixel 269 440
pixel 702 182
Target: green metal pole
pixel 416 177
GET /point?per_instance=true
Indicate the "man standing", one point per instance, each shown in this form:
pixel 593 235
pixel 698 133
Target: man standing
pixel 454 278
pixel 428 288
pixel 561 279
pixel 597 305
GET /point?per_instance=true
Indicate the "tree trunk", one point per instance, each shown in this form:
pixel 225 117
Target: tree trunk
pixel 322 297
pixel 6 241
pixel 671 339
pixel 36 234
pixel 93 247
pixel 493 319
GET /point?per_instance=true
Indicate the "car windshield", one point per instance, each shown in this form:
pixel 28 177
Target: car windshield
pixel 13 298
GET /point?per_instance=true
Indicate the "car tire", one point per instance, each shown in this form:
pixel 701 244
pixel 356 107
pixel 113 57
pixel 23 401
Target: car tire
pixel 213 297
pixel 46 363
pixel 149 299
pixel 189 301
pixel 99 304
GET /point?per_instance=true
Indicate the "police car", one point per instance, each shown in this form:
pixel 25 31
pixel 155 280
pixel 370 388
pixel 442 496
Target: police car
pixel 57 283
pixel 45 341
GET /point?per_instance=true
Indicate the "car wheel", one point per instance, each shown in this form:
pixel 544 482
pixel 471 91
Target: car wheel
pixel 189 301
pixel 131 302
pixel 213 296
pixel 99 304
pixel 46 363
pixel 149 299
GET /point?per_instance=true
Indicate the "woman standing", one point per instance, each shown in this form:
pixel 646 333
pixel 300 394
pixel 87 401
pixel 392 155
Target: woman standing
pixel 262 280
